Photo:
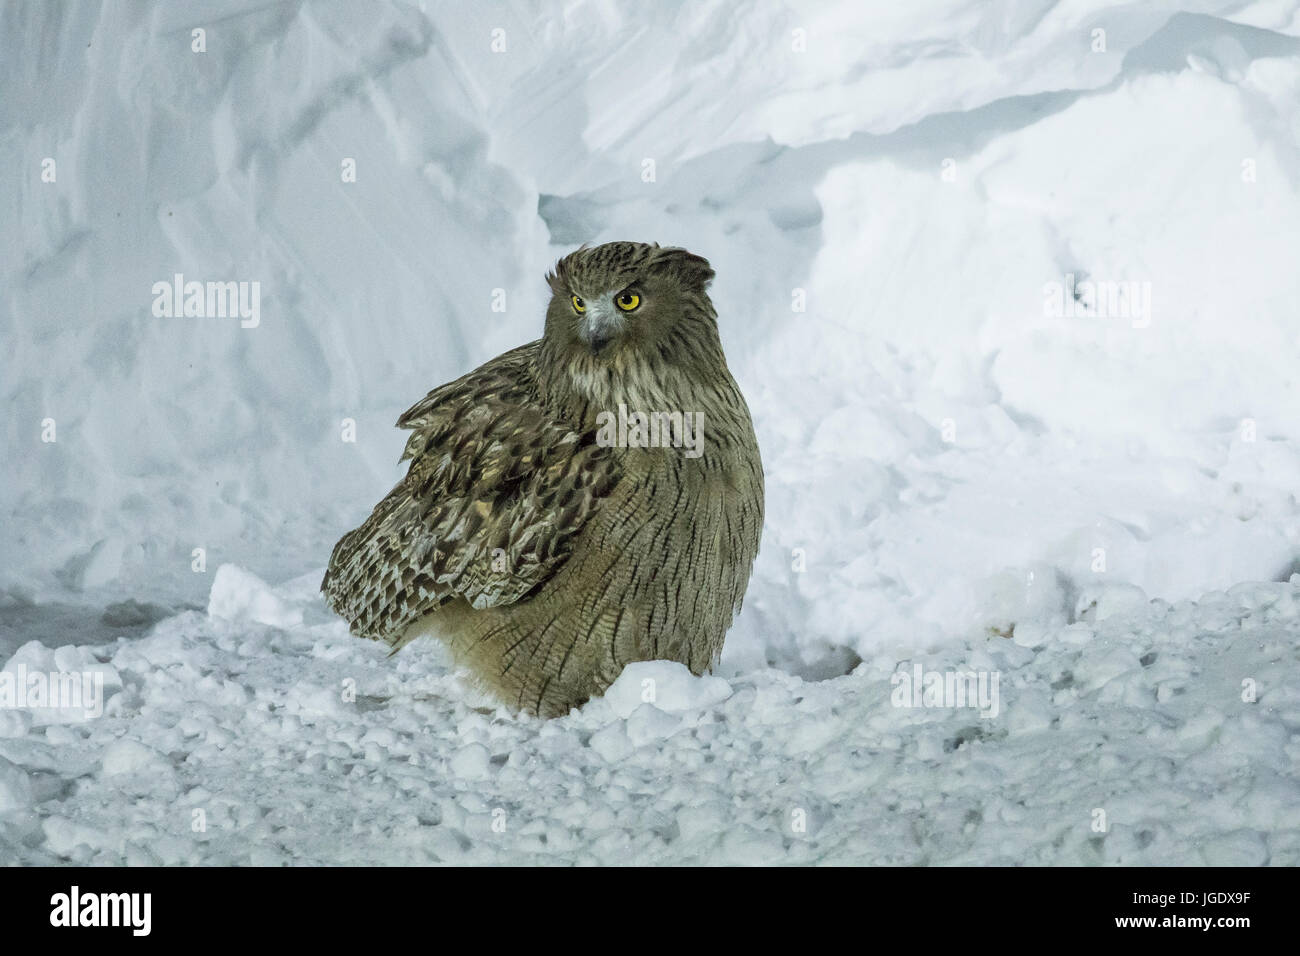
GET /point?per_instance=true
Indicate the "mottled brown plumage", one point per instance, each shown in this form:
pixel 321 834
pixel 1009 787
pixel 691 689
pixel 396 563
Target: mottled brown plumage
pixel 546 558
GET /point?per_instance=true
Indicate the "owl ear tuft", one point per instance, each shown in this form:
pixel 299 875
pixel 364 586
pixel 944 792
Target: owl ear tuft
pixel 556 283
pixel 691 270
pixel 558 278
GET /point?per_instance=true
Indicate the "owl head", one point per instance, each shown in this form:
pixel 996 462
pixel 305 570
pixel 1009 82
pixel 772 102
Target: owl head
pixel 629 298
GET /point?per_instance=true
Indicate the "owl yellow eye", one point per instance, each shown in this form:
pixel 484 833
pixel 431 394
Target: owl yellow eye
pixel 628 301
pixel 578 304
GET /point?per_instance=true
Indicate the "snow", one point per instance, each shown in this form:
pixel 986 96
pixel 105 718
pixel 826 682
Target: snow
pixel 305 745
pixel 665 686
pixel 15 788
pixel 1098 511
pixel 237 595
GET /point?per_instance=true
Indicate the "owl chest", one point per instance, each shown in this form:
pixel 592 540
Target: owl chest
pixel 674 519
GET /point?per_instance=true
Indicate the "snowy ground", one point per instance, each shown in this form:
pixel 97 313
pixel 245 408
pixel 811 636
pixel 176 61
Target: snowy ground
pixel 299 744
pixel 957 473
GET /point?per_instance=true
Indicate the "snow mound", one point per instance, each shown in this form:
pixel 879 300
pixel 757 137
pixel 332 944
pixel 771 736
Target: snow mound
pixel 239 595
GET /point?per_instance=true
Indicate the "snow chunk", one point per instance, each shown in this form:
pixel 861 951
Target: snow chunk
pixel 14 723
pixel 471 762
pixel 64 685
pixel 1030 634
pixel 1108 600
pixel 667 685
pixel 1100 668
pixel 648 723
pixel 63 836
pixel 611 742
pixel 311 699
pixel 239 595
pixel 15 787
pixel 132 757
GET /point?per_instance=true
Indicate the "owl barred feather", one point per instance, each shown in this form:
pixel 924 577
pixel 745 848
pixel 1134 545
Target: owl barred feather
pixel 544 557
pixel 494 483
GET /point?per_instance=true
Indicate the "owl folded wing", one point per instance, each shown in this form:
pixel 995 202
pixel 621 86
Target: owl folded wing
pixel 495 495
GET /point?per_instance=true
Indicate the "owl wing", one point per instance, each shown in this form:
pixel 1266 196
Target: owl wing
pixel 495 495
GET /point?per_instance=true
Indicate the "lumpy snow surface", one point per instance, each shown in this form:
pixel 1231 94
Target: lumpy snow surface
pixel 1085 501
pixel 1142 733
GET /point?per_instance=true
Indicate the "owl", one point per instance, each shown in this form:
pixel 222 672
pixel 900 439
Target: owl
pixel 587 500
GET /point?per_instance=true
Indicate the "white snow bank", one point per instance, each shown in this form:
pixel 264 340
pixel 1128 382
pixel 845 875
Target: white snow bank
pixel 943 457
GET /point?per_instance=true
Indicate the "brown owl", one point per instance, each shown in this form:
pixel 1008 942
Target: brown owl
pixel 586 500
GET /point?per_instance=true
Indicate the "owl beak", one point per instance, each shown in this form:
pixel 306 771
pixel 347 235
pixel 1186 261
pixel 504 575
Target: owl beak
pixel 598 329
